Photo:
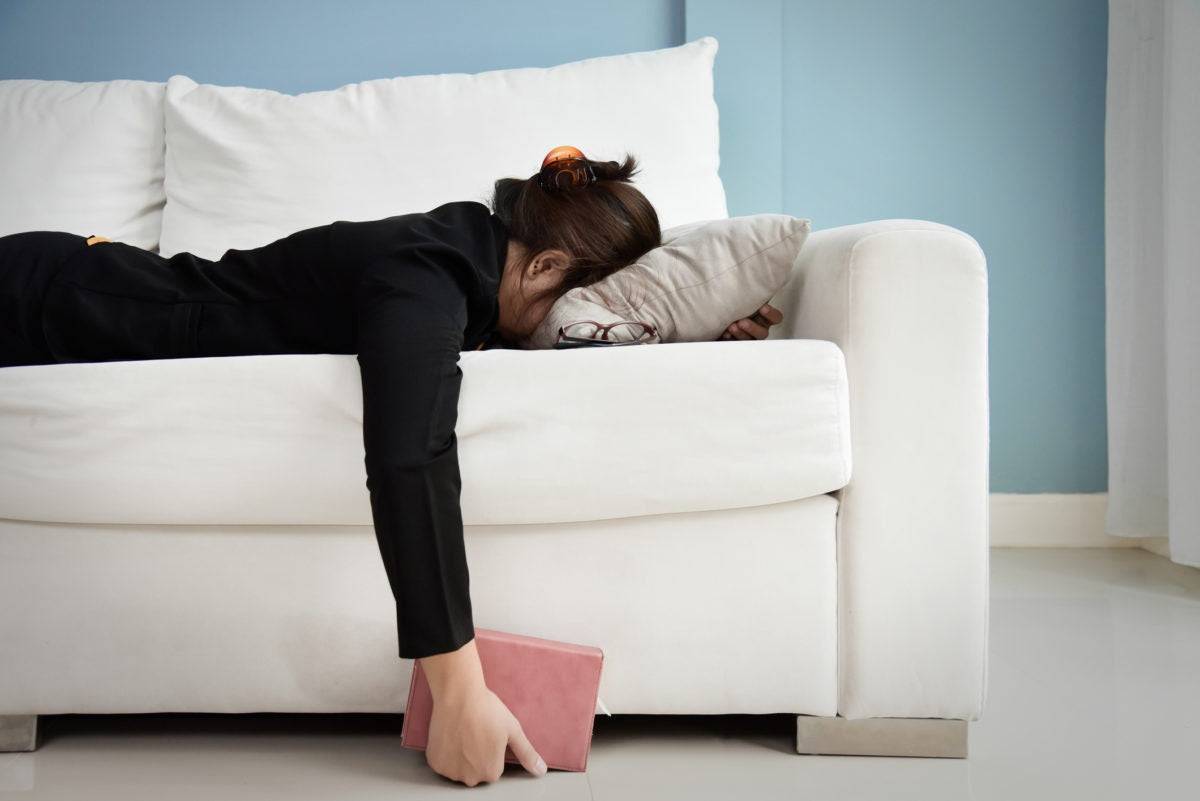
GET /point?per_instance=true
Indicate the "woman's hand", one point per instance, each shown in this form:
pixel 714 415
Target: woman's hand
pixel 468 733
pixel 757 326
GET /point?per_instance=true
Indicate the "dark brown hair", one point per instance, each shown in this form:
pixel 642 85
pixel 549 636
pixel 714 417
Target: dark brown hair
pixel 601 228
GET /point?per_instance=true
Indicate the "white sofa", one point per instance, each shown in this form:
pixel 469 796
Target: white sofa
pixel 790 526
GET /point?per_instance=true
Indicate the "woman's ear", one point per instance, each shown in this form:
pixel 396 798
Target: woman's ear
pixel 543 264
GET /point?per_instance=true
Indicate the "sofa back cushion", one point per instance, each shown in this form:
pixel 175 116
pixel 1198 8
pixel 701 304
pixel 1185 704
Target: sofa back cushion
pixel 247 166
pixel 86 158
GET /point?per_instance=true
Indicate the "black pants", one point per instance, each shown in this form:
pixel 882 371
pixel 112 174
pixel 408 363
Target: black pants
pixel 62 300
pixel 28 262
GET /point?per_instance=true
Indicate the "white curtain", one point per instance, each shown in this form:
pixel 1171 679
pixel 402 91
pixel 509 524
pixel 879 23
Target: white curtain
pixel 1152 242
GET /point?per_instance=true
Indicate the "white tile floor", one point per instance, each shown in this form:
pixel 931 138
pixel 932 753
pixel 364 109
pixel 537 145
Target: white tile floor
pixel 1094 694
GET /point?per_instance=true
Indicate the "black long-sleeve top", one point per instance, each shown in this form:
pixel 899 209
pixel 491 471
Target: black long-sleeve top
pixel 406 293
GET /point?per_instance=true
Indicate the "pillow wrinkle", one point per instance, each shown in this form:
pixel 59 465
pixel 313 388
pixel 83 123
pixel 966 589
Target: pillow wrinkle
pixel 715 277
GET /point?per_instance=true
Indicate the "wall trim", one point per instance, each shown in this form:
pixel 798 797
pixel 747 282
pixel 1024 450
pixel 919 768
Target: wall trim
pixel 1049 520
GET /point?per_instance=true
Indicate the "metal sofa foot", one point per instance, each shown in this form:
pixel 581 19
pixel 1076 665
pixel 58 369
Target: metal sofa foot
pixel 18 733
pixel 905 737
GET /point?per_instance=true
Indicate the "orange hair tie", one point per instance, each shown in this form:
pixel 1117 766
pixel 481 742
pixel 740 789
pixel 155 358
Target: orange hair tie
pixel 560 153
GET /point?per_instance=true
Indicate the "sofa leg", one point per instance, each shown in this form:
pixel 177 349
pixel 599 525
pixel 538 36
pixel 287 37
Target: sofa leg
pixel 905 737
pixel 18 732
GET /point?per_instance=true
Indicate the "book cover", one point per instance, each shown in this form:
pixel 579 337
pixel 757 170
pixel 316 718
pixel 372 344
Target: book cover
pixel 550 686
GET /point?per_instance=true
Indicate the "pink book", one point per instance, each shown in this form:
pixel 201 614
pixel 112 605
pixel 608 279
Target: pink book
pixel 551 686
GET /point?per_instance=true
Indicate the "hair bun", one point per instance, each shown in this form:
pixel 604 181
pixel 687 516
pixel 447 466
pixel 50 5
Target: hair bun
pixel 614 170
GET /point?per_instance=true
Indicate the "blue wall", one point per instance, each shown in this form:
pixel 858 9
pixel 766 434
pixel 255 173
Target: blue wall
pixel 306 45
pixel 984 114
pixel 987 115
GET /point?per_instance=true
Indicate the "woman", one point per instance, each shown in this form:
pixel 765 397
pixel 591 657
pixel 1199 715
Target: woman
pixel 406 294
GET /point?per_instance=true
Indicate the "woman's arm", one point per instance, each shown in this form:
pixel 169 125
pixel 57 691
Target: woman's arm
pixel 410 319
pixel 455 673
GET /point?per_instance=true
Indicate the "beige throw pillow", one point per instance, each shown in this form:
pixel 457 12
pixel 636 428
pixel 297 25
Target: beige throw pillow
pixel 704 276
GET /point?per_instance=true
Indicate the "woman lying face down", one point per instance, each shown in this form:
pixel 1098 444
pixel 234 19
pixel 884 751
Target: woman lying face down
pixel 406 294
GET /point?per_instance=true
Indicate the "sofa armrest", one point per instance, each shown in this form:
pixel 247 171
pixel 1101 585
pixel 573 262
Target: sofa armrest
pixel 907 303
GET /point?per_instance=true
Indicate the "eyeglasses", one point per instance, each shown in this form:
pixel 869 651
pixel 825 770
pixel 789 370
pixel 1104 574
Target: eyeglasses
pixel 589 333
pixel 565 168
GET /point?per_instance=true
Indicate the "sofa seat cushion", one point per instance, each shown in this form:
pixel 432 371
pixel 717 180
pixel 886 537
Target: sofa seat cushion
pixel 543 436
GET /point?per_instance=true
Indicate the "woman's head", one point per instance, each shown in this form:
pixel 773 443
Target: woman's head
pixel 566 233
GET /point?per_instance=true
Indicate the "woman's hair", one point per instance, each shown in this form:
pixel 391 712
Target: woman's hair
pixel 602 227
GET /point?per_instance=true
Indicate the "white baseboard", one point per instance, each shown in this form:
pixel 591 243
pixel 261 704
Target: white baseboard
pixel 1047 520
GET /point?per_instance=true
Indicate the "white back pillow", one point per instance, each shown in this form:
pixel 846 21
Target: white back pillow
pixel 86 158
pixel 247 166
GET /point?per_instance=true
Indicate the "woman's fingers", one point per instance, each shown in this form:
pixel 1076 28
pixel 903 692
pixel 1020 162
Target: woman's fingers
pixel 770 314
pixel 753 328
pixel 736 331
pixel 524 751
pixel 757 326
